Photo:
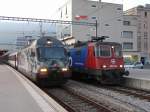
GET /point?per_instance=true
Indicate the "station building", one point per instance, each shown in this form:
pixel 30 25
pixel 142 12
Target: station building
pixel 108 16
pixel 141 16
pixel 130 28
pixel 129 38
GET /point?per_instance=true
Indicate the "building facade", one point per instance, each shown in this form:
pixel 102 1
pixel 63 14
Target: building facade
pixel 143 29
pixel 108 16
pixel 129 38
pixel 130 28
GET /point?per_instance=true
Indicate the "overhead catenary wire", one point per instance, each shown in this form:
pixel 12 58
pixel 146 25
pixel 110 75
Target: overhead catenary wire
pixel 45 20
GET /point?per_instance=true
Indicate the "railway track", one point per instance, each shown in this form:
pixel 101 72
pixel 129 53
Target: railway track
pixel 136 100
pixel 141 94
pixel 74 102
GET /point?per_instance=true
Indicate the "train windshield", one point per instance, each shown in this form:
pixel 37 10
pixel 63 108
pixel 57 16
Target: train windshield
pixel 117 51
pixel 51 53
pixel 104 51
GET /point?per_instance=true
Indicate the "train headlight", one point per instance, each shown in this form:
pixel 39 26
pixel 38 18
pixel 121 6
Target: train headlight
pixel 64 69
pixel 121 66
pixel 43 70
pixel 104 66
pixel 49 42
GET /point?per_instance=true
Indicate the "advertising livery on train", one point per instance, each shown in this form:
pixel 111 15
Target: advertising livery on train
pixel 45 61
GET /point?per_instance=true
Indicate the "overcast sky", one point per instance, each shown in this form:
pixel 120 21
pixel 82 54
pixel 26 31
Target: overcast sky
pixel 46 8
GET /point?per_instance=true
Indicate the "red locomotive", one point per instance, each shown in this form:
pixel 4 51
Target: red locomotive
pixel 98 60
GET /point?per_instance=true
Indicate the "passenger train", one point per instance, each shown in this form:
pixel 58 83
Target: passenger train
pixel 45 61
pixel 102 61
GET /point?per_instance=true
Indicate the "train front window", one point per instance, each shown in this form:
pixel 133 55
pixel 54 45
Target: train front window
pixel 51 53
pixel 117 51
pixel 104 51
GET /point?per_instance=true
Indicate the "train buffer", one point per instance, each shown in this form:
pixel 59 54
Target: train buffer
pixel 18 94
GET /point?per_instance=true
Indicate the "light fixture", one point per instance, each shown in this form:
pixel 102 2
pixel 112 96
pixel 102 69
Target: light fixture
pixel 104 66
pixel 121 66
pixel 64 69
pixel 43 70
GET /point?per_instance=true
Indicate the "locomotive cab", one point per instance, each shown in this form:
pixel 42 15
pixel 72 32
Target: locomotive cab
pixel 108 56
pixel 53 61
pixel 45 61
pixel 98 60
pixel 109 60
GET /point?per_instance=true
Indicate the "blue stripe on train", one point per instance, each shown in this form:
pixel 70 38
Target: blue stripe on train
pixel 79 57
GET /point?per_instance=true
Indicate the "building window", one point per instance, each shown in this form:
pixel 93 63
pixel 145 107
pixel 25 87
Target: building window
pixel 93 6
pixel 119 8
pixel 61 14
pixel 107 25
pixel 139 25
pixel 126 23
pixel 66 10
pixel 138 33
pixel 145 14
pixel 145 34
pixel 145 44
pixel 93 17
pixel 127 45
pixel 119 20
pixel 127 34
pixel 144 26
pixel 139 43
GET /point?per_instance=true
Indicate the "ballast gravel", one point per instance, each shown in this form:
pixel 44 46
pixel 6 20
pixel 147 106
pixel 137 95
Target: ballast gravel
pixel 115 100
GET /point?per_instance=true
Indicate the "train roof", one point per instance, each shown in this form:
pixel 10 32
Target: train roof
pixel 54 42
pixel 107 43
pixel 80 44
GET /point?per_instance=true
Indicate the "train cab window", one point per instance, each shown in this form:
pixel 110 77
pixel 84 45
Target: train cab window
pixel 104 51
pixel 117 51
pixel 51 53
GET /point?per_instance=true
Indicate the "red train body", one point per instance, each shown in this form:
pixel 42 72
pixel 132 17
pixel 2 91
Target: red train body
pixel 102 61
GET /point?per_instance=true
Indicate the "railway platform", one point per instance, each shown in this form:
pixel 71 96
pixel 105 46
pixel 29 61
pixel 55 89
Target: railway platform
pixel 18 94
pixel 138 78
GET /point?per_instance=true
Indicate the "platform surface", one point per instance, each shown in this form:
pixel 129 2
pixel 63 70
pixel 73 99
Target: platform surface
pixel 139 73
pixel 17 95
pixel 138 78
